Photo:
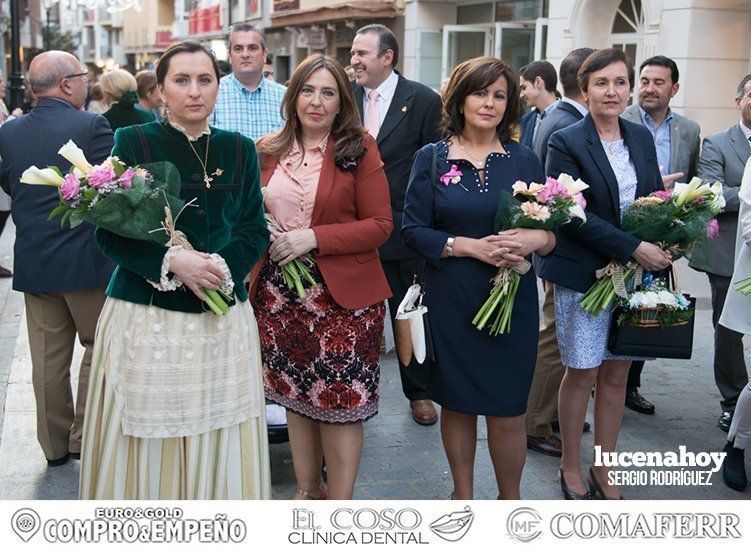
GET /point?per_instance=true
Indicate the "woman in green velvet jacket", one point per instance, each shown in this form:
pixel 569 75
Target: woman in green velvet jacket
pixel 175 408
pixel 119 90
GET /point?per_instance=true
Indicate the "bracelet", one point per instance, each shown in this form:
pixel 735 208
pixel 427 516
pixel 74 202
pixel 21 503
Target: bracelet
pixel 450 246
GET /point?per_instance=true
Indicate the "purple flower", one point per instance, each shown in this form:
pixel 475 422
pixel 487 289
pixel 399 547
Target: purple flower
pixel 663 195
pixel 713 229
pixel 70 187
pixel 454 175
pixel 126 179
pixel 101 176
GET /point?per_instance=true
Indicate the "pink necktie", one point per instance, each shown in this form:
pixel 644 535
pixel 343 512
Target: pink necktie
pixel 372 117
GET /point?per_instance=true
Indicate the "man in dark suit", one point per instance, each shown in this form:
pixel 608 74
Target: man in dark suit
pixel 723 158
pixel 61 271
pixel 542 404
pixel 677 143
pixel 568 110
pixel 537 83
pixel 402 116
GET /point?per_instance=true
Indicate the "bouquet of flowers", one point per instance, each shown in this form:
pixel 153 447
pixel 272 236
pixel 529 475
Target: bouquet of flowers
pixel 134 202
pixel 676 220
pixel 296 271
pixel 654 306
pixel 539 206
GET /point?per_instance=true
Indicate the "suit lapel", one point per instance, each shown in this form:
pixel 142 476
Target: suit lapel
pixel 400 105
pixel 359 98
pixel 597 152
pixel 325 184
pixel 635 151
pixel 675 145
pixel 741 145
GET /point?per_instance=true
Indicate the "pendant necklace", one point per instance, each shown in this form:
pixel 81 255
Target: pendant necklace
pixel 204 163
pixel 481 163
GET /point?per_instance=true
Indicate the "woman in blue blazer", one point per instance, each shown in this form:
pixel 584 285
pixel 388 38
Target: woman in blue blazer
pixel 617 159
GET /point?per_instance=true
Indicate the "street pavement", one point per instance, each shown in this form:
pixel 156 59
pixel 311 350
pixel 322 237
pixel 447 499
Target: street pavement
pixel 401 460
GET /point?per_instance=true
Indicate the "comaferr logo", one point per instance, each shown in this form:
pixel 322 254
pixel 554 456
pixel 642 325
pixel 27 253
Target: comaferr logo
pixel 524 524
pixel 646 526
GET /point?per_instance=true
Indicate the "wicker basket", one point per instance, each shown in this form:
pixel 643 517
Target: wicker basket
pixel 650 318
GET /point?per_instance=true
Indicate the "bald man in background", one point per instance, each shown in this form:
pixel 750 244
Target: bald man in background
pixel 61 271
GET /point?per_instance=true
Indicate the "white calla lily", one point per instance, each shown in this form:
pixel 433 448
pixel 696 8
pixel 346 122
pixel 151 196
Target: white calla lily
pixel 572 186
pixel 47 176
pixel 719 197
pixel 75 156
pixel 686 192
pixel 578 211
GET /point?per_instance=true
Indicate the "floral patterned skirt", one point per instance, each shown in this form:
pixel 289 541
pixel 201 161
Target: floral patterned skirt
pixel 320 360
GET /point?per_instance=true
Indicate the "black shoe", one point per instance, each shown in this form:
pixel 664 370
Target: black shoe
pixel 75 455
pixel 734 468
pixel 568 494
pixel 556 426
pixel 59 461
pixel 595 488
pixel 726 418
pixel 638 403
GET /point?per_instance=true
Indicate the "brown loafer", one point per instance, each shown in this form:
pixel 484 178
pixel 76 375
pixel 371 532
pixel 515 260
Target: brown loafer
pixel 549 445
pixel 5 273
pixel 423 412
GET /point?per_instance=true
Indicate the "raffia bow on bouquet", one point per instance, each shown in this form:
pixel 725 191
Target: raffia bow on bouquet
pixel 539 206
pixel 676 220
pixel 133 202
pixel 297 272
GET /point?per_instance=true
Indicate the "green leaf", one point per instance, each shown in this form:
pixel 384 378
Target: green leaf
pixel 66 216
pixel 56 170
pixel 76 218
pixel 119 167
pixel 57 211
pixel 89 194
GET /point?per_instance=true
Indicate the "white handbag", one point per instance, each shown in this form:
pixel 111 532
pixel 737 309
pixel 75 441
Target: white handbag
pixel 412 310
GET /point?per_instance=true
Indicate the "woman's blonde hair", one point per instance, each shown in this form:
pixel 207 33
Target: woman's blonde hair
pixel 117 83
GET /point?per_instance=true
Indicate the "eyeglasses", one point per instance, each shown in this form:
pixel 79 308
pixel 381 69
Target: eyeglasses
pixel 84 74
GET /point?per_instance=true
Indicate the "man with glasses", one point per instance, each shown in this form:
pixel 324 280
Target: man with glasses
pixel 61 271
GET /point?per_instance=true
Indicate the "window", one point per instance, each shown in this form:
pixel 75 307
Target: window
pixel 628 29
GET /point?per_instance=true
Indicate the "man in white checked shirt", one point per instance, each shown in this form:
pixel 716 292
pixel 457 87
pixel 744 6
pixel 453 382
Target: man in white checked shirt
pixel 247 102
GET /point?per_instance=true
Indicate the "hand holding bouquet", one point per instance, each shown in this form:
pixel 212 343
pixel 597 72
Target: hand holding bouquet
pixel 538 206
pixel 133 202
pixel 675 220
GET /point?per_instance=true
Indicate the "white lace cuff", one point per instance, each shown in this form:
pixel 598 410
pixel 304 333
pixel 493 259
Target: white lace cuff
pixel 165 283
pixel 228 285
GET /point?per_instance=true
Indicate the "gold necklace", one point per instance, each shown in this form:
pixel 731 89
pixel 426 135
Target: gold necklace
pixel 204 163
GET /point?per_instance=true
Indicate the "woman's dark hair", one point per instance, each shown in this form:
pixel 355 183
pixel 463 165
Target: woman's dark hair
pixel 184 46
pixel 601 59
pixel 346 131
pixel 471 76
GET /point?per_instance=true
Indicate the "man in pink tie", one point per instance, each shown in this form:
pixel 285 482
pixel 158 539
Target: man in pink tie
pixel 403 116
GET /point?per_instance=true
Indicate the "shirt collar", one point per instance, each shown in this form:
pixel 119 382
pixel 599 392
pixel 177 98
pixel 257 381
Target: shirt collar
pixel 387 88
pixel 550 107
pixel 239 85
pixel 745 129
pixel 578 106
pixel 295 151
pixel 645 117
pixel 178 127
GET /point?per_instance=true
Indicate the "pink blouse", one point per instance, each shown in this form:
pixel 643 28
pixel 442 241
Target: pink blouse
pixel 291 191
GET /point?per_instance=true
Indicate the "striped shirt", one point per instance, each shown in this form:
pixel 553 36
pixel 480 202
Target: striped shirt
pixel 253 114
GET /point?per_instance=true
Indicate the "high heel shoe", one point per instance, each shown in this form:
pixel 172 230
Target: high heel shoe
pixel 595 488
pixel 318 493
pixel 568 494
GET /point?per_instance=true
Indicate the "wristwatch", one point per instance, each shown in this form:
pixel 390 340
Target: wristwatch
pixel 450 246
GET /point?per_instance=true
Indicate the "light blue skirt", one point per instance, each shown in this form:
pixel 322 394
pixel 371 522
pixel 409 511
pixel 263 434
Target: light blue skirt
pixel 582 337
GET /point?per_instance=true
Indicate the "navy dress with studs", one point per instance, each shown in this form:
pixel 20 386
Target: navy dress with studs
pixel 474 372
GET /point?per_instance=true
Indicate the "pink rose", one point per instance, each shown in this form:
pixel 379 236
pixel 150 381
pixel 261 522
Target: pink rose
pixel 713 229
pixel 101 176
pixel 126 180
pixel 70 187
pixel 551 189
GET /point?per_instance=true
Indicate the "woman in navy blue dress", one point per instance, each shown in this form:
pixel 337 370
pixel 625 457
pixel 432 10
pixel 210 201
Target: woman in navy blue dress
pixel 449 220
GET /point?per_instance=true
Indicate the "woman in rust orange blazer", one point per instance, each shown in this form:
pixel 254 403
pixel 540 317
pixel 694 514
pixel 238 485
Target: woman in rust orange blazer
pixel 326 188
